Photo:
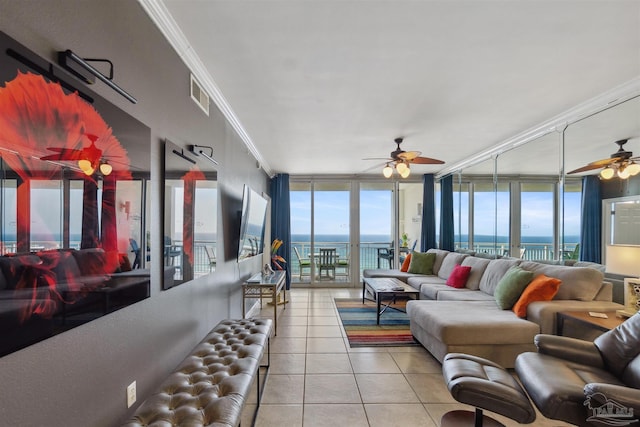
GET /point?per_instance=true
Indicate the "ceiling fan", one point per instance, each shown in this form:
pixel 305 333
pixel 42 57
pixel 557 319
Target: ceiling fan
pixel 89 158
pixel 400 160
pixel 621 162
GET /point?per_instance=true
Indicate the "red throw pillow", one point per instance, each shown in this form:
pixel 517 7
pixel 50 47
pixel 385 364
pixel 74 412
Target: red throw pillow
pixel 458 277
pixel 405 264
pixel 541 288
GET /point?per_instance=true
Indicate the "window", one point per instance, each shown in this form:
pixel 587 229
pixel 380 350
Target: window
pixel 460 214
pixel 536 220
pixel 491 212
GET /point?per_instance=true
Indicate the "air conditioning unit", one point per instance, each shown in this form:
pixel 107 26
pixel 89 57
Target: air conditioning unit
pixel 199 96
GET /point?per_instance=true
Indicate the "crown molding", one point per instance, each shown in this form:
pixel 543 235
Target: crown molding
pixel 609 99
pixel 159 14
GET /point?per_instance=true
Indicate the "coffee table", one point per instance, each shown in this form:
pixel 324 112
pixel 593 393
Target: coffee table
pixel 387 289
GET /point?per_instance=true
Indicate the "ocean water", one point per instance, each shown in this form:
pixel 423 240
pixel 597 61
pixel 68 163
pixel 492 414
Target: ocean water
pixel 537 247
pixel 380 238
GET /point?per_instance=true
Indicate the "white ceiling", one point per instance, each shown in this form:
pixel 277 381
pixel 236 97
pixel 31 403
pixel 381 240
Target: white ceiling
pixel 319 85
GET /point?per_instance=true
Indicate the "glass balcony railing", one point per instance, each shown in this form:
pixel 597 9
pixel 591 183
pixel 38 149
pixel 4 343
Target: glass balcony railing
pixel 370 253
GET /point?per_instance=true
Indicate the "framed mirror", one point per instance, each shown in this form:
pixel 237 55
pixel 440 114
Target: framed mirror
pixel 190 213
pixel 622 220
pixel 533 198
pixel 74 170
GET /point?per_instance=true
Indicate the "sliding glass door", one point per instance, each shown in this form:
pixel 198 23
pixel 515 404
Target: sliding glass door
pixel 376 225
pixel 341 227
pixel 331 245
pixel 300 264
pixel 320 232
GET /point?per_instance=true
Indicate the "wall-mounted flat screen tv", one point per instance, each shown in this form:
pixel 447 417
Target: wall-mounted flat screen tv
pixel 252 224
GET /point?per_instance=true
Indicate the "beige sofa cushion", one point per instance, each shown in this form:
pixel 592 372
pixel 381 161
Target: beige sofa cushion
pixel 478 266
pixel 494 272
pixel 432 290
pixel 417 280
pixel 475 322
pixel 440 255
pixel 383 273
pixel 448 264
pixel 578 283
pixel 463 294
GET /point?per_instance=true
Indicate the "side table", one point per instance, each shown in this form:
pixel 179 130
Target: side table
pixel 261 285
pixel 580 324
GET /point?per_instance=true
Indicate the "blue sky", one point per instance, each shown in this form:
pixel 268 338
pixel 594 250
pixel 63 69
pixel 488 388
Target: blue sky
pixel 332 213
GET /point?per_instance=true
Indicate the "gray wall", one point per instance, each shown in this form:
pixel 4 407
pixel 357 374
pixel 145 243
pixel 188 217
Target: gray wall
pixel 79 378
pixel 620 187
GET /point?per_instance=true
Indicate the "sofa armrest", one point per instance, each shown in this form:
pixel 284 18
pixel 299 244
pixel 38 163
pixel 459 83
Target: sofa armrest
pixel 598 394
pixel 575 350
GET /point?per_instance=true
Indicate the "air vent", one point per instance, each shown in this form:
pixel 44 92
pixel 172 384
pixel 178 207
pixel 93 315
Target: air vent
pixel 199 96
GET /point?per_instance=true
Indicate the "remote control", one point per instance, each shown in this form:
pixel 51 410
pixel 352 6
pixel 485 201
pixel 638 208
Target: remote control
pixel 596 314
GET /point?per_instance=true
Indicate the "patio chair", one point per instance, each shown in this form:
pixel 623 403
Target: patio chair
pixel 211 254
pixel 303 263
pixel 327 263
pixel 575 254
pixel 171 252
pixel 405 251
pixel 386 253
pixel 135 250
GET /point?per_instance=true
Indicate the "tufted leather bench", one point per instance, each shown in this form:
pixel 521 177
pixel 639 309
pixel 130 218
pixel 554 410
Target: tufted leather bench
pixel 210 387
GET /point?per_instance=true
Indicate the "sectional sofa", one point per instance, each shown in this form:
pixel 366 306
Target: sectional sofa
pixel 469 319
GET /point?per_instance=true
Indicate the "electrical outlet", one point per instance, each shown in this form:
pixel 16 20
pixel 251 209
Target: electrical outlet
pixel 131 394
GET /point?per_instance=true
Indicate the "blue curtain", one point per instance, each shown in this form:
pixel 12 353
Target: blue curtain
pixel 280 219
pixel 590 236
pixel 428 234
pixel 446 214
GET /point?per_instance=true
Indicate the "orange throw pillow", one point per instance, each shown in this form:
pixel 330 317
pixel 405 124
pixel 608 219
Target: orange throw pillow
pixel 405 264
pixel 541 288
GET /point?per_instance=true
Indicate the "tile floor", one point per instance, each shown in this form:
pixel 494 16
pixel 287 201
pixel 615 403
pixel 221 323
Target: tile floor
pixel 317 380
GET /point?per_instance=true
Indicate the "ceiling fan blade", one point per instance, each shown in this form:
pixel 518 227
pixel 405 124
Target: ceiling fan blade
pixel 376 166
pixel 63 154
pixel 604 162
pixel 388 159
pixel 426 161
pixel 588 167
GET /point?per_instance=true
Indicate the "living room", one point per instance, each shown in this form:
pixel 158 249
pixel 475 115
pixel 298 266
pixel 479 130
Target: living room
pixel 79 377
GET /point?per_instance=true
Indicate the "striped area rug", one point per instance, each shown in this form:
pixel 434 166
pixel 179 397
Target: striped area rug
pixel 359 322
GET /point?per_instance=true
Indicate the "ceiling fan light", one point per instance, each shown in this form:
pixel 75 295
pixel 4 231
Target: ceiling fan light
pixel 106 168
pixel 401 167
pixel 607 173
pixel 84 165
pixel 623 173
pixel 405 173
pixel 387 171
pixel 633 169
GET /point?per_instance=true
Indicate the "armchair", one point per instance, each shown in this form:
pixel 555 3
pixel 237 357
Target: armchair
pixel 583 382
